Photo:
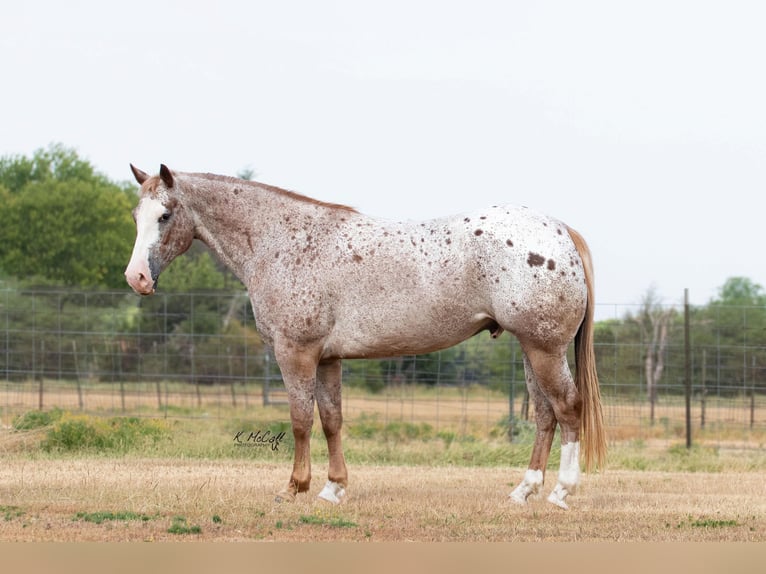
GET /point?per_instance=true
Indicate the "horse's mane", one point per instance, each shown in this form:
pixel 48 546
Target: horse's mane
pixel 278 190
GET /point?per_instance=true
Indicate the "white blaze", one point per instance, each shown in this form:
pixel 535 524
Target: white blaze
pixel 148 214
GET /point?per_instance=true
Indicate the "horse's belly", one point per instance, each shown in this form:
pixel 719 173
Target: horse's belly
pixel 404 335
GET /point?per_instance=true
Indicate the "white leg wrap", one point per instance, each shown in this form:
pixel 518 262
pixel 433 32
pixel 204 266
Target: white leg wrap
pixel 569 475
pixel 332 492
pixel 533 480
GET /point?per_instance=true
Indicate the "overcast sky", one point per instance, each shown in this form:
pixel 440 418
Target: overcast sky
pixel 641 124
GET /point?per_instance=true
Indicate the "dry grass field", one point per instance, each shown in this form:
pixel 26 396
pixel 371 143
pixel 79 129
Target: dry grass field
pixel 140 499
pixel 420 470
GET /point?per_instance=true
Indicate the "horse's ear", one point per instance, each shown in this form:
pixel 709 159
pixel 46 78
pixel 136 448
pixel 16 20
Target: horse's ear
pixel 166 176
pixel 140 176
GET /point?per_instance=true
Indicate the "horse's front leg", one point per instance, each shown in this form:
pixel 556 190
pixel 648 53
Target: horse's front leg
pixel 299 374
pixel 328 396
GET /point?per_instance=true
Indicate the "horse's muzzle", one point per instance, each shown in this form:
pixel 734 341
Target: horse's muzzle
pixel 141 283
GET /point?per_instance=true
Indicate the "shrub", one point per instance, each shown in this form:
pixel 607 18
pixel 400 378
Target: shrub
pixel 36 419
pixel 82 432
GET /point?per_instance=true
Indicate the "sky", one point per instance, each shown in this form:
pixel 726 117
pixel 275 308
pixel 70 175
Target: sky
pixel 640 124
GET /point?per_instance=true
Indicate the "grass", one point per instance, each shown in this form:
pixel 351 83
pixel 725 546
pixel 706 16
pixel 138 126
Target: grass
pixel 11 512
pixel 384 503
pixel 325 521
pixel 181 526
pixel 368 440
pixel 102 516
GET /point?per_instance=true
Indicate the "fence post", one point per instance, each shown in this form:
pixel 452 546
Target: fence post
pixel 687 370
pixel 41 376
pixel 511 397
pixel 80 402
pixel 703 394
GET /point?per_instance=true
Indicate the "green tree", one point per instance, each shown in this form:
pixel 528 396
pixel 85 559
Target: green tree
pixel 61 221
pixel 740 291
pixel 57 163
pixel 71 233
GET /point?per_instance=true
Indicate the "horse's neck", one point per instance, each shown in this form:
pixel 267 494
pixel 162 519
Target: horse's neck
pixel 240 220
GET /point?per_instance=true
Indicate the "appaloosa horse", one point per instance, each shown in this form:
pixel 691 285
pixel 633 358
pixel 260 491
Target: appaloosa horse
pixel 328 283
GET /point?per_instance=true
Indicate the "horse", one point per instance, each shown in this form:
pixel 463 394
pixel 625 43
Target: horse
pixel 328 283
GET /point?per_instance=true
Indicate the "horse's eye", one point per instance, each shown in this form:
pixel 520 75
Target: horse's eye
pixel 165 216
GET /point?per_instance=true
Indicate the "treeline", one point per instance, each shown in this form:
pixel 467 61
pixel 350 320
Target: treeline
pixel 66 233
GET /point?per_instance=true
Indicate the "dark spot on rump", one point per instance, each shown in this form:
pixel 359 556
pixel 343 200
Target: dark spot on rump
pixel 559 231
pixel 448 241
pixel 357 258
pixel 535 260
pixel 467 219
pixel 551 265
pixel 509 243
pixel 237 191
pixel 483 217
pixel 478 232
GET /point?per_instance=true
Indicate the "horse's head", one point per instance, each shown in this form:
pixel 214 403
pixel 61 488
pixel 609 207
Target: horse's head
pixel 164 229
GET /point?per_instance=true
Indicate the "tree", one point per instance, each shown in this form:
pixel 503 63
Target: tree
pixel 71 233
pixel 62 222
pixel 653 320
pixel 740 291
pixel 56 163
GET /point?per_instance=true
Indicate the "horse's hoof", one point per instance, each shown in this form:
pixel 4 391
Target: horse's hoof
pixel 557 497
pixel 518 498
pixel 332 492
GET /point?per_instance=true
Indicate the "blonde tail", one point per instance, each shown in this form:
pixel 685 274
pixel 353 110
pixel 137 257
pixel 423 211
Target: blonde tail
pixel 586 378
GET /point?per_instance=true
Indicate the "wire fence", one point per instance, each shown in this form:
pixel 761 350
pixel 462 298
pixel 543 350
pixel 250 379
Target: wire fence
pixel 198 354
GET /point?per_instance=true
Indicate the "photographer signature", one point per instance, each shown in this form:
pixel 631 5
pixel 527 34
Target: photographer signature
pixel 259 438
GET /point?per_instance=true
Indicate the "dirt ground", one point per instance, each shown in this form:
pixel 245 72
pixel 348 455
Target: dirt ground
pixel 132 499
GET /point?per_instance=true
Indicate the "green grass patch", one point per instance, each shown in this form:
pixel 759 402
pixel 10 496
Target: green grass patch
pixel 713 523
pixel 11 512
pixel 181 526
pixel 336 522
pixel 71 433
pixel 32 420
pixel 706 523
pixel 101 517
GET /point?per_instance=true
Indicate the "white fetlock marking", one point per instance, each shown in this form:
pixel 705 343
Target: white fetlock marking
pixel 569 475
pixel 332 492
pixel 558 497
pixel 533 480
pixel 569 470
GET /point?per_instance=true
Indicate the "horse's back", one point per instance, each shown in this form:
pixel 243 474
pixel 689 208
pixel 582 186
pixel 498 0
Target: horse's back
pixel 419 286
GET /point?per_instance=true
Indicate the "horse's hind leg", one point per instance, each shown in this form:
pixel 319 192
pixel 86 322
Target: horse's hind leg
pixel 328 396
pixel 558 400
pixel 545 421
